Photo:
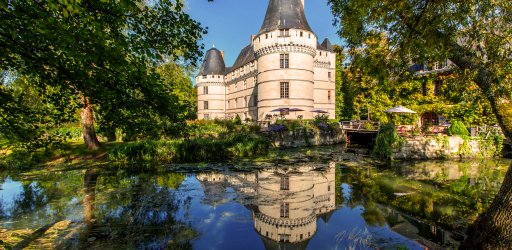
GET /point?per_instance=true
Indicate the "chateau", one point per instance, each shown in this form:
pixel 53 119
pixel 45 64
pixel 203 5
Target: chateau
pixel 283 67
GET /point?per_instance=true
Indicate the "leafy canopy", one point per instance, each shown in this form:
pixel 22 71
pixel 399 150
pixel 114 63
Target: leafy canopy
pixel 103 50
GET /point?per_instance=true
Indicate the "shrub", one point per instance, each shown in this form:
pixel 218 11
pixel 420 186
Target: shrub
pixel 191 150
pixel 458 128
pixel 71 132
pixel 276 128
pixel 387 140
pixel 291 125
pixel 237 120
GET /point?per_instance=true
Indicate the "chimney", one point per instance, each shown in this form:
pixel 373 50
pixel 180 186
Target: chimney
pixel 222 54
pixel 252 39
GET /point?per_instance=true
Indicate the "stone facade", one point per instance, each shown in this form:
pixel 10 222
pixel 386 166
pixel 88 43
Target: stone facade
pixel 283 67
pixel 444 147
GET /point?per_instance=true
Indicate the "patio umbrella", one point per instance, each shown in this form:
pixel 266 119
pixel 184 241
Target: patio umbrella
pixel 400 110
pixel 279 110
pixel 319 111
pixel 295 111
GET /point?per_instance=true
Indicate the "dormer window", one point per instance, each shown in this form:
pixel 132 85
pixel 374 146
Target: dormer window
pixel 204 76
pixel 301 34
pixel 284 32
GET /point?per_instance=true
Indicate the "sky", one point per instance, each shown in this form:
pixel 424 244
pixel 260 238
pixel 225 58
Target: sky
pixel 232 22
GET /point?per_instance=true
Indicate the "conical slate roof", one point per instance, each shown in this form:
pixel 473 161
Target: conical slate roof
pixel 327 45
pixel 213 63
pixel 285 14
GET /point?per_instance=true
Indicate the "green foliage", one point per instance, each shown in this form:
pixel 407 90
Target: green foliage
pixel 458 128
pixel 70 131
pixel 387 141
pixel 464 148
pixel 181 86
pixel 425 32
pixel 237 120
pixel 192 150
pixel 102 50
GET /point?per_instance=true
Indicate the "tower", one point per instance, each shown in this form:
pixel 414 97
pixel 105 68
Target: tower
pixel 211 90
pixel 284 66
pixel 285 48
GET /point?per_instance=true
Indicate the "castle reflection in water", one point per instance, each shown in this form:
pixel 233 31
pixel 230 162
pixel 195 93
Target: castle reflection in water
pixel 285 202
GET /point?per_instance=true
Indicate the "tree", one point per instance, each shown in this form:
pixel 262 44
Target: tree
pixel 174 76
pixel 476 37
pixel 101 53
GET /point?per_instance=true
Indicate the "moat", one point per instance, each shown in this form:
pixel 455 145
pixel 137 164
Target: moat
pixel 318 198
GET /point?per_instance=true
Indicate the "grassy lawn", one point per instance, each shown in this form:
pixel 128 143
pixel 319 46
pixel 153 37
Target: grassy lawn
pixel 70 154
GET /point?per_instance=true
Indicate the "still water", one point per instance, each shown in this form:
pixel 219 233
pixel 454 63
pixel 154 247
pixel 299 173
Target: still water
pixel 325 199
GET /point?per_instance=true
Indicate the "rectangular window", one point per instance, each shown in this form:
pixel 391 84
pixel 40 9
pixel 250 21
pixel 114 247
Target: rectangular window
pixel 329 95
pixel 285 183
pixel 204 76
pixel 245 101
pixel 424 89
pixel 301 34
pixel 284 61
pixel 329 75
pixel 205 105
pixel 205 90
pixel 437 87
pixel 285 90
pixel 285 210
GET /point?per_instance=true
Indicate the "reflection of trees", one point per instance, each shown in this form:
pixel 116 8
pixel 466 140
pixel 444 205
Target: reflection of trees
pixel 420 192
pixel 138 211
pixel 47 191
pixel 118 208
pixel 372 215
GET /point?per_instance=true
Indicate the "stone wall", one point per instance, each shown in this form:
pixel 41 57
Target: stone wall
pixel 442 147
pixel 298 138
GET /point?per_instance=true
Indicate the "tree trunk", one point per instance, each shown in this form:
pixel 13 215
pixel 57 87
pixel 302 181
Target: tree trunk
pixel 493 228
pixel 87 119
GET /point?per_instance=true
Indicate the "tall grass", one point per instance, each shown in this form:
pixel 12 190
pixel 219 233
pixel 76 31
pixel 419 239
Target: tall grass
pixel 224 148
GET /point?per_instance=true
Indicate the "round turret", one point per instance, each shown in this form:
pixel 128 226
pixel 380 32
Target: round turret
pixel 210 85
pixel 285 49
